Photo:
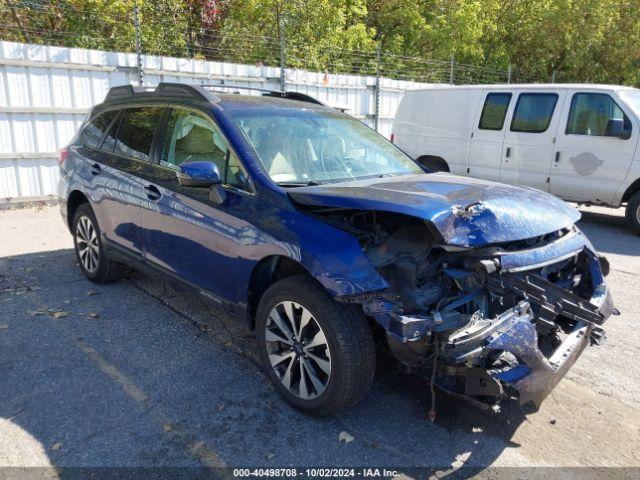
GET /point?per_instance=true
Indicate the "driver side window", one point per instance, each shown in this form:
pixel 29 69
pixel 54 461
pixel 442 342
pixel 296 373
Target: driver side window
pixel 191 137
pixel 596 115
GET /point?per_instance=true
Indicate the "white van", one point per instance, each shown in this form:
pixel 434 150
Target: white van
pixel 578 142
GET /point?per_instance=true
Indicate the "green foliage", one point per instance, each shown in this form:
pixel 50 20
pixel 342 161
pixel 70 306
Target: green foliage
pixel 579 40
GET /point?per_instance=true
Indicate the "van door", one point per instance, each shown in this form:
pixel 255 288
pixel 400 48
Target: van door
pixel 487 136
pixel 595 146
pixel 529 143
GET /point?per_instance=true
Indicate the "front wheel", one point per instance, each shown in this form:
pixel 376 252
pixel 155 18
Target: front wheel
pixel 318 353
pixel 633 213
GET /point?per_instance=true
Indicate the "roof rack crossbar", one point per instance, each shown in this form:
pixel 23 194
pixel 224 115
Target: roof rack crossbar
pixel 303 97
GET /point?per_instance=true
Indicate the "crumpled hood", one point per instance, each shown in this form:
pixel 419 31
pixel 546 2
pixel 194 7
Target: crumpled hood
pixel 466 211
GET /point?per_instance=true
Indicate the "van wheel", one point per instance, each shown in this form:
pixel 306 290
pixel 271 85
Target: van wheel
pixel 318 353
pixel 633 213
pixel 91 256
pixel 436 164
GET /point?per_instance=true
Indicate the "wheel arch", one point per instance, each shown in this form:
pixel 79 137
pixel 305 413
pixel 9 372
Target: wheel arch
pixel 265 273
pixel 75 199
pixel 434 162
pixel 633 188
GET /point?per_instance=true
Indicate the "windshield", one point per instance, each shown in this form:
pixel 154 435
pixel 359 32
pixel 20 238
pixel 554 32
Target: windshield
pixel 304 147
pixel 632 99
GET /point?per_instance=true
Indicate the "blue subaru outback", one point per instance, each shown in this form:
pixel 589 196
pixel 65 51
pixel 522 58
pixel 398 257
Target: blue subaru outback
pixel 333 245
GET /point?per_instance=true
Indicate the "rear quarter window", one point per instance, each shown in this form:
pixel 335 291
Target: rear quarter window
pixel 94 131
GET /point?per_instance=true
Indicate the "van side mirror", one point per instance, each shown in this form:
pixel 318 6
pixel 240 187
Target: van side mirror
pixel 198 174
pixel 619 128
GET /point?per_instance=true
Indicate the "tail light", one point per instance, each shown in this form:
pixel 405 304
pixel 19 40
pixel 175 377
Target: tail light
pixel 392 137
pixel 64 153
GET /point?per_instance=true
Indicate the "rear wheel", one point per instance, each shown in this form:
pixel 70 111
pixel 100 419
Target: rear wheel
pixel 633 213
pixel 318 353
pixel 92 258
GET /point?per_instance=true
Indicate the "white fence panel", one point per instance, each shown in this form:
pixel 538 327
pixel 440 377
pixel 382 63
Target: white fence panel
pixel 46 91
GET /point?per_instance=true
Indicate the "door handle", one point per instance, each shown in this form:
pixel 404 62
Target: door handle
pixel 95 169
pixel 508 152
pixel 557 159
pixel 152 192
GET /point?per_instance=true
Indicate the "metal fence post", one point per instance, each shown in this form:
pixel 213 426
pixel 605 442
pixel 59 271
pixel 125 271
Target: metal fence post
pixel 283 52
pixel 509 74
pixel 376 117
pixel 453 61
pixel 553 76
pixel 136 24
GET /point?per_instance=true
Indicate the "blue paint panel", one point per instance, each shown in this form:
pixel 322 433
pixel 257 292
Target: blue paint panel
pixel 509 213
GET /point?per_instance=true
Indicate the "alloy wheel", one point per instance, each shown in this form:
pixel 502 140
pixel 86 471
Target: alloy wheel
pixel 298 350
pixel 87 244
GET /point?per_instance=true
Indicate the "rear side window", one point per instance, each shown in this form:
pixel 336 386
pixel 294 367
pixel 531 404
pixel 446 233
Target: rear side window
pixel 137 128
pixel 594 114
pixel 94 130
pixel 533 112
pixel 494 111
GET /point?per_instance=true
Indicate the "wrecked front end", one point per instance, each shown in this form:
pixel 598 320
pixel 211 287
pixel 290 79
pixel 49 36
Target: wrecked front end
pixel 503 321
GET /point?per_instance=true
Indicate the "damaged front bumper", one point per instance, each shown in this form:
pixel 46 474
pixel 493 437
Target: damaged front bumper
pixel 467 354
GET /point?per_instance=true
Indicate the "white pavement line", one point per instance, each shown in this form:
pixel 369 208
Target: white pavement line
pixel 198 449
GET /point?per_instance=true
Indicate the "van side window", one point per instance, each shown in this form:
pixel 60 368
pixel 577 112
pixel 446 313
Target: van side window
pixel 596 114
pixel 191 137
pixel 533 112
pixel 94 130
pixel 494 111
pixel 137 128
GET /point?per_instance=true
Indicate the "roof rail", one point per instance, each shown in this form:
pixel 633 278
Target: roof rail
pixel 164 88
pixel 303 97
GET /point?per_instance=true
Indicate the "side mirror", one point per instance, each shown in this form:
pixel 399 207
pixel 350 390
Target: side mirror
pixel 198 174
pixel 619 128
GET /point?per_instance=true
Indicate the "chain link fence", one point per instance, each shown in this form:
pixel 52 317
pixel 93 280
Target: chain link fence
pixel 126 28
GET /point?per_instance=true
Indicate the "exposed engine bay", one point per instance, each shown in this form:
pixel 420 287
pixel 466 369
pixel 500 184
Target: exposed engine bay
pixel 503 321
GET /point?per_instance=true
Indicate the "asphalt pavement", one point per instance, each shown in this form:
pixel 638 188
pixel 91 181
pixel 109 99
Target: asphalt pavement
pixel 137 374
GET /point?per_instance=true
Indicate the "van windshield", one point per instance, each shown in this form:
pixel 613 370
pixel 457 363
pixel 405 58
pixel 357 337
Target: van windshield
pixel 306 147
pixel 632 99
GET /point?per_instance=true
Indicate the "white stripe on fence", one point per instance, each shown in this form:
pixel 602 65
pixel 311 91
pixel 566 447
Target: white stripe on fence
pixel 46 91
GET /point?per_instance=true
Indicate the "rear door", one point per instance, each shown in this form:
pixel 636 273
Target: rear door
pixel 591 159
pixel 126 149
pixel 529 142
pixel 187 234
pixel 112 176
pixel 487 137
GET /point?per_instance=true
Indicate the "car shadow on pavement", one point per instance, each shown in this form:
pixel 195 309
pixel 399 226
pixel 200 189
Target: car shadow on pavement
pixel 137 374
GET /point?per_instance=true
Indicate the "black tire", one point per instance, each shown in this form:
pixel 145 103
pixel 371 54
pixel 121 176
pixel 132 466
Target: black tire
pixel 348 337
pixel 101 270
pixel 436 164
pixel 633 213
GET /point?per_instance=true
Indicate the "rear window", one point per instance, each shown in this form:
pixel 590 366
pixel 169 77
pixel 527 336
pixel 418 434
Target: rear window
pixel 94 130
pixel 533 112
pixel 494 111
pixel 137 128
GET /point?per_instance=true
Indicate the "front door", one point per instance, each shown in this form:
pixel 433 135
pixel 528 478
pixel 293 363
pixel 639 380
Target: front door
pixel 595 146
pixel 186 233
pixel 485 150
pixel 529 143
